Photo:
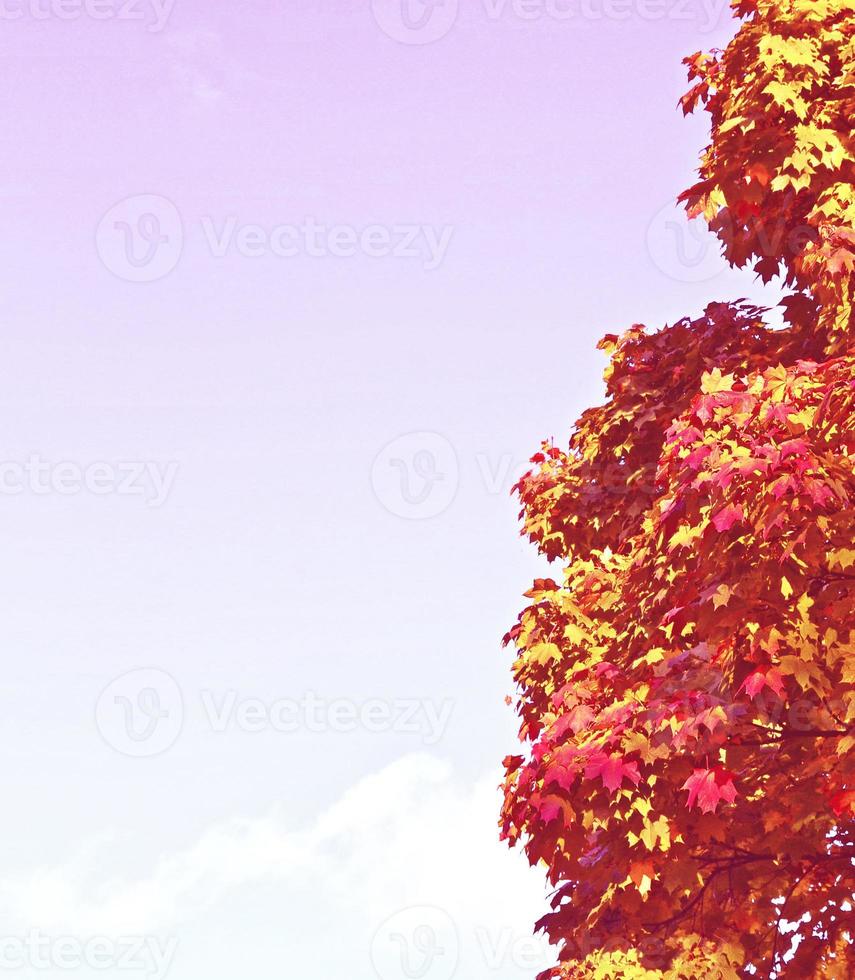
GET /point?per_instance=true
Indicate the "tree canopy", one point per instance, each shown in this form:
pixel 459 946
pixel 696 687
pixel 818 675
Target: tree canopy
pixel 686 684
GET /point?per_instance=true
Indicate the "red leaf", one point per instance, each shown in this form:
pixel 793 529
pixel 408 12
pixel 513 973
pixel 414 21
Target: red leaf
pixel 843 802
pixel 756 681
pixel 707 787
pixel 612 770
pixel 727 517
pixel 549 812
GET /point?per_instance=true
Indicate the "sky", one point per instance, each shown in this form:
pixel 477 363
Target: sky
pixel 291 291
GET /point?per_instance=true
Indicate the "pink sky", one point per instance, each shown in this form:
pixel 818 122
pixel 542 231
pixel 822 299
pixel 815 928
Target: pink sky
pixel 546 148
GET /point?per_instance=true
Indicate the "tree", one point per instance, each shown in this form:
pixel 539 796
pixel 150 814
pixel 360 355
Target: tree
pixel 686 685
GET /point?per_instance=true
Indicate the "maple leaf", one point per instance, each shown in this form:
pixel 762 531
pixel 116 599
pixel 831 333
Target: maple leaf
pixel 758 679
pixel 842 558
pixel 642 873
pixel 843 802
pixel 683 537
pixel 550 811
pixel 727 517
pixel 714 381
pixel 754 683
pixel 612 769
pixel 708 787
pixel 722 596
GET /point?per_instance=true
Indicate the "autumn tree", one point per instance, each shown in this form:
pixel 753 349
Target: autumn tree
pixel 686 684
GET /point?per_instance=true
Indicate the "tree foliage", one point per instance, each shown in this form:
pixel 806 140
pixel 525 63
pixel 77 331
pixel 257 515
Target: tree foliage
pixel 686 685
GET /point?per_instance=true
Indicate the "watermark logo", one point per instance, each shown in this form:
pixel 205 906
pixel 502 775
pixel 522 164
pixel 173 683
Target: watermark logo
pixel 684 248
pixel 130 478
pixel 416 476
pixel 141 238
pixel 153 13
pixel 342 716
pixel 416 944
pixel 424 21
pixel 141 713
pixel 415 21
pixel 314 239
pixel 503 949
pixel 147 956
pixel 427 943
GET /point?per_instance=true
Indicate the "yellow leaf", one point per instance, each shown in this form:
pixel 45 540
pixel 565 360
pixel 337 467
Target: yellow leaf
pixel 684 536
pixel 798 669
pixel 722 596
pixel 574 634
pixel 660 831
pixel 542 653
pixel 843 558
pixel 713 381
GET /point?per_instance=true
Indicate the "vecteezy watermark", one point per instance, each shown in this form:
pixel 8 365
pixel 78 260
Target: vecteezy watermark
pixel 417 476
pixel 501 949
pixel 425 942
pixel 419 943
pixel 142 239
pixel 415 21
pixel 426 21
pixel 343 716
pixel 142 714
pixel 148 956
pixel 311 238
pixel 128 478
pixel 684 248
pixel 153 13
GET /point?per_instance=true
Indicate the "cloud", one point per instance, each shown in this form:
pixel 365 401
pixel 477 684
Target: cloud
pixel 409 836
pixel 202 68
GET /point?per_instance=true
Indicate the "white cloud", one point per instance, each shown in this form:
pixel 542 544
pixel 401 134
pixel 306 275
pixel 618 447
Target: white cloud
pixel 409 836
pixel 202 67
